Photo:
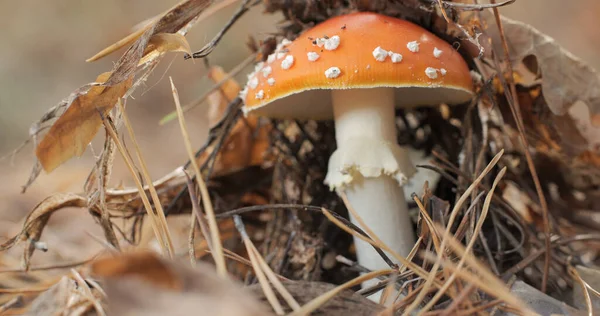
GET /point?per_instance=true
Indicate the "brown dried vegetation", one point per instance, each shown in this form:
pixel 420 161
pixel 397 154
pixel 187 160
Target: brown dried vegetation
pixel 517 199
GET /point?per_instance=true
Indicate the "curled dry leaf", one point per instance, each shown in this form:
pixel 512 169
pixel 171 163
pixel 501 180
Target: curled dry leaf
pixel 36 221
pixel 62 142
pixel 142 283
pixel 565 78
pixel 558 106
pixel 248 141
pixel 163 43
pixel 148 23
pixel 171 22
pixel 75 129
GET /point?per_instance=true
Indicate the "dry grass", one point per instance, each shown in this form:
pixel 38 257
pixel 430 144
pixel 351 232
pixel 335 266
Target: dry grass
pixel 443 274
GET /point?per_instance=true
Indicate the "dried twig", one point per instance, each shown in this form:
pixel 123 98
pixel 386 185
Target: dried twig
pixel 148 179
pixel 157 225
pixel 236 70
pixel 208 208
pixel 197 218
pixel 584 290
pixel 320 300
pixel 208 48
pixel 515 109
pixel 482 217
pixel 260 274
pixel 446 235
pixel 87 292
pixel 472 6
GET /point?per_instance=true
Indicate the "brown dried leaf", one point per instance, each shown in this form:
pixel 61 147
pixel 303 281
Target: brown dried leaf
pixel 145 284
pixel 177 19
pixel 171 22
pixel 147 24
pixel 169 42
pixel 565 78
pixel 144 265
pixel 219 100
pixel 36 221
pixel 164 43
pixel 346 303
pixel 75 129
pixel 247 142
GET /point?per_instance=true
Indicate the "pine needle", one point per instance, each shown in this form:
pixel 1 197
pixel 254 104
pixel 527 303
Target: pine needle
pixel 162 220
pixel 208 208
pixel 413 267
pixel 246 62
pixel 262 279
pixel 584 290
pixel 447 234
pixel 486 207
pixel 155 222
pixel 493 287
pixel 325 297
pixel 273 278
pixel 287 296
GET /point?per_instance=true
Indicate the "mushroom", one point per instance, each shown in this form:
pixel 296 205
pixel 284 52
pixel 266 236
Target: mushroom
pixel 357 69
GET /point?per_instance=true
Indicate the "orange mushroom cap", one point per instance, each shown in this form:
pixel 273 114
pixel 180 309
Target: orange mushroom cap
pixel 354 51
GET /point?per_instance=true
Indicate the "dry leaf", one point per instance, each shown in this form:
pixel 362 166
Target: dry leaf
pixel 36 221
pixel 171 22
pixel 58 147
pixel 147 24
pixel 346 303
pixel 565 78
pixel 164 43
pixel 219 100
pixel 74 130
pixel 247 143
pixel 145 284
pixel 139 264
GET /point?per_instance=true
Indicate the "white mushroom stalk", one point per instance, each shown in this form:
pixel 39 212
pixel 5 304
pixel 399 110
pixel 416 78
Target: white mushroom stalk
pixel 357 69
pixel 370 168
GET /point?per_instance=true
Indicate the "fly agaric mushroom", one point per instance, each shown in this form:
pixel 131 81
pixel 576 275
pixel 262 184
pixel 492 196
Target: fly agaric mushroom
pixel 356 69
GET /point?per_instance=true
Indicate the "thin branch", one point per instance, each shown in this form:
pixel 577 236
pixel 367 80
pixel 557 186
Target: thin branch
pixel 206 203
pixel 515 108
pixel 472 6
pixel 208 48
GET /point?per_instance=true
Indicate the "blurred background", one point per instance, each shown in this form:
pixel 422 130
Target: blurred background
pixel 43 47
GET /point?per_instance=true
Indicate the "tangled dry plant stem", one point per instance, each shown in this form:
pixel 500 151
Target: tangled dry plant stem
pixel 479 225
pixel 148 179
pixel 197 217
pixel 206 202
pixel 208 48
pixel 258 262
pixel 235 71
pixel 516 112
pixel 584 289
pixel 156 223
pixel 446 236
pixel 322 299
pixel 258 271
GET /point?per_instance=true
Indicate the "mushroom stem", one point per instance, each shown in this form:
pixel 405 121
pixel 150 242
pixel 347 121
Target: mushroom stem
pixel 364 123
